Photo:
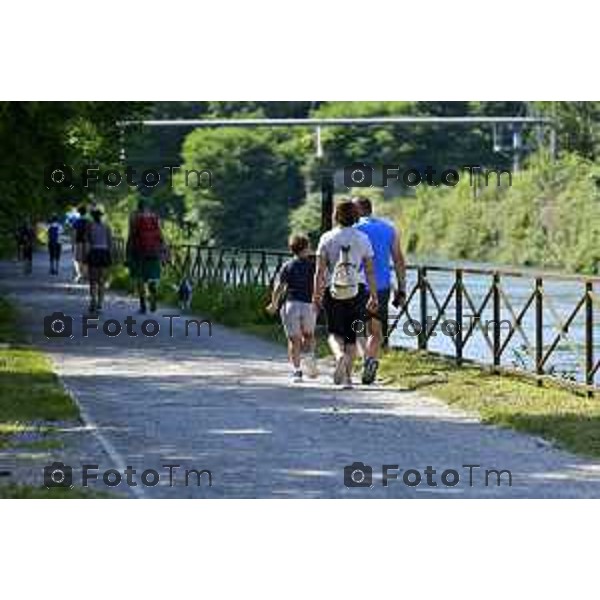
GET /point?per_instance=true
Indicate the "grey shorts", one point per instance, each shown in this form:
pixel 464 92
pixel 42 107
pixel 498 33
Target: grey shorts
pixel 298 318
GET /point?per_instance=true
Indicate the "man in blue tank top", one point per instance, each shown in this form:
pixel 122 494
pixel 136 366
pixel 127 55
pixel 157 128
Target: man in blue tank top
pixel 386 245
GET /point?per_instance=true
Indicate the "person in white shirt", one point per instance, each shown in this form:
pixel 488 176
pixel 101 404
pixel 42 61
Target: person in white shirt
pixel 344 261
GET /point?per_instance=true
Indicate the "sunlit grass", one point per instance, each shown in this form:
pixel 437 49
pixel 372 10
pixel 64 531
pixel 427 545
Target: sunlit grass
pixel 31 395
pixel 568 418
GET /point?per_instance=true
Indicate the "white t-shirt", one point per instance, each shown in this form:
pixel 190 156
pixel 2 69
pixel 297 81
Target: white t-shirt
pixel 331 243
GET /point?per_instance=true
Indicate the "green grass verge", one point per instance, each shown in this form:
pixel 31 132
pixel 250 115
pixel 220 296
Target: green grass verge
pixel 565 417
pixel 29 390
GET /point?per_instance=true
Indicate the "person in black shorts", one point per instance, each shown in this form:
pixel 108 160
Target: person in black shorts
pixel 344 264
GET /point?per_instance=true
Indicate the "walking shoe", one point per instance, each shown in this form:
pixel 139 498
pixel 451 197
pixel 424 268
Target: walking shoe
pixel 310 364
pixel 142 310
pixel 297 377
pixel 152 303
pixel 340 373
pixel 370 371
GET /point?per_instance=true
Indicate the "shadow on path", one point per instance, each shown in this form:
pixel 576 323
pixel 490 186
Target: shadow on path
pixel 223 403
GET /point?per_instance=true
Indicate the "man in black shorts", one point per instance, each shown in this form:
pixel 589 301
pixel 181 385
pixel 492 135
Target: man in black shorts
pixel 344 261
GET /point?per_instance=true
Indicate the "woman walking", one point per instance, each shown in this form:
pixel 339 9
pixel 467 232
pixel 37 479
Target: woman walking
pixel 99 258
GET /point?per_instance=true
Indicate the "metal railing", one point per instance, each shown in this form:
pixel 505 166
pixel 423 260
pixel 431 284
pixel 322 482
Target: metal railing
pixel 538 321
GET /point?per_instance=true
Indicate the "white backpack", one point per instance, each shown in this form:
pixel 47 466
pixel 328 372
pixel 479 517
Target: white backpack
pixel 345 278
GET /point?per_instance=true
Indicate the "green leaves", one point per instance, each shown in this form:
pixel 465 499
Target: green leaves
pixel 256 179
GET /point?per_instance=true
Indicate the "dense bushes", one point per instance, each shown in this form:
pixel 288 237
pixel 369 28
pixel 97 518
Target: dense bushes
pixel 549 217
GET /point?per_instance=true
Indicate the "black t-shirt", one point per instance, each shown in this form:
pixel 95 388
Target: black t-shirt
pixel 298 274
pixel 80 227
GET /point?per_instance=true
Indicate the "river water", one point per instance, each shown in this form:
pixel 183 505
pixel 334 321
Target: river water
pixel 561 296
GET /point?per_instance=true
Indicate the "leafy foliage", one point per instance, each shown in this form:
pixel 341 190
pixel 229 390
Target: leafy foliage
pixel 256 179
pixel 549 217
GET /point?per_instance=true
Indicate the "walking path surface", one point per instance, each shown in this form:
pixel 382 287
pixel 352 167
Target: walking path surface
pixel 224 403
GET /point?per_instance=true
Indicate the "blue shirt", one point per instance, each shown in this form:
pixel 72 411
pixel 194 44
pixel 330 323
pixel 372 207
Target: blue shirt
pixel 381 235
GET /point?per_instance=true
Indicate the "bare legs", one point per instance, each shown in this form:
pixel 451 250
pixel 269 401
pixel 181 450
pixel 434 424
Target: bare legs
pixel 97 277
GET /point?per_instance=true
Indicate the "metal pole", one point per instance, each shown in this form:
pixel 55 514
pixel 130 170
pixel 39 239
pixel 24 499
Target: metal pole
pixel 516 150
pixel 311 122
pixel 539 326
pixel 459 316
pixel 589 335
pixel 422 339
pixel 497 315
pixel 327 189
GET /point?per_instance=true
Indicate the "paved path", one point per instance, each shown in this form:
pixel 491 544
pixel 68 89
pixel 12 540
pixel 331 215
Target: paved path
pixel 223 403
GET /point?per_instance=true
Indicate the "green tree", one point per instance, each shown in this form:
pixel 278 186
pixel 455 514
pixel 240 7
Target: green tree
pixel 256 180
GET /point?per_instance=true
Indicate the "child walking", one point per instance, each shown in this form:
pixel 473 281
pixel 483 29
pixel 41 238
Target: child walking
pixel 292 296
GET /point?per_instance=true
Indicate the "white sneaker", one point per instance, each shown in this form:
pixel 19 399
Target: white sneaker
pixel 297 377
pixel 310 365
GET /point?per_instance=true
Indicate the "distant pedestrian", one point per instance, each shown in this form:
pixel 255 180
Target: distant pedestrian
pixel 99 258
pixel 344 265
pixel 25 242
pixel 385 240
pixel 292 296
pixel 80 250
pixel 54 244
pixel 145 251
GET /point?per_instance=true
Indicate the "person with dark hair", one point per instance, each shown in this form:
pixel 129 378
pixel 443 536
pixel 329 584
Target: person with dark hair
pixel 99 257
pixel 344 264
pixel 385 240
pixel 292 296
pixel 54 244
pixel 25 241
pixel 145 248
